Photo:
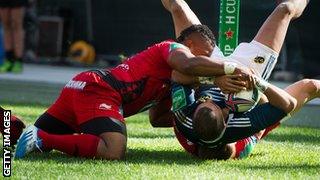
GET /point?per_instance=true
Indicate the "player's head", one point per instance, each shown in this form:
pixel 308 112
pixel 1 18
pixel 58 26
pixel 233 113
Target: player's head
pixel 199 39
pixel 209 122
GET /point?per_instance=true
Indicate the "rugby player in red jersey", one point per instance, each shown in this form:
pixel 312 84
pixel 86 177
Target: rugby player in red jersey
pixel 87 119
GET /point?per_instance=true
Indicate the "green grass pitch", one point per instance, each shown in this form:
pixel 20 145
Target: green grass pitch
pixel 288 152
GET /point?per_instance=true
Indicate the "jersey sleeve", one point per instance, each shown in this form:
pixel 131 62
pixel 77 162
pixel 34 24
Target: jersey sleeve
pixel 243 125
pixel 217 53
pixel 170 46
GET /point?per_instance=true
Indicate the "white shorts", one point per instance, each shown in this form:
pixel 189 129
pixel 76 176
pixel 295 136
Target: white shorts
pixel 253 55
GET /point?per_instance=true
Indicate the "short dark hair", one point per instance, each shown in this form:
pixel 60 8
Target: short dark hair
pixel 207 124
pixel 200 28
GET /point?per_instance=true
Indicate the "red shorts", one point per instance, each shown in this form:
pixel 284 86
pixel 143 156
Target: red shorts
pixel 185 143
pixel 84 98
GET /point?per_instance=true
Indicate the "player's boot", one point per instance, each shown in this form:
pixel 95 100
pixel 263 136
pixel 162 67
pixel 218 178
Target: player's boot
pixel 5 67
pixel 17 67
pixel 28 142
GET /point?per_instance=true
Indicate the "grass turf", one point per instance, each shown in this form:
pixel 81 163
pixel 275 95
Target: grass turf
pixel 289 152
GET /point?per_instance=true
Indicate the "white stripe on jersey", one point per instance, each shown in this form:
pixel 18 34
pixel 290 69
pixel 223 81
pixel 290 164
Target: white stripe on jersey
pixel 184 120
pixel 239 125
pixel 239 119
pixel 239 122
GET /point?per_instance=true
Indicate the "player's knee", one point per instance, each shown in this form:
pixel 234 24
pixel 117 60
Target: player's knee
pixel 114 155
pixel 286 8
pixel 292 104
pixel 176 6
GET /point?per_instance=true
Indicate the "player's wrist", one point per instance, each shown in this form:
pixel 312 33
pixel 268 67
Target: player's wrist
pixel 229 67
pixel 261 84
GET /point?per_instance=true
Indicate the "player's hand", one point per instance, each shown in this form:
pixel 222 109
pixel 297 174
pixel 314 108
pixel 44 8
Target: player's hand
pixel 230 83
pixel 247 76
pixel 242 70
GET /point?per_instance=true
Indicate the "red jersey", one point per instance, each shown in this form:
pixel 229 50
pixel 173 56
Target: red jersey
pixel 144 79
pixel 133 86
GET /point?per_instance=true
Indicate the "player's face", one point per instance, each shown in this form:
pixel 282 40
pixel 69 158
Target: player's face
pixel 199 45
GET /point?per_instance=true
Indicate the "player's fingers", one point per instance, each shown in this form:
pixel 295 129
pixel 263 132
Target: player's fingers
pixel 234 76
pixel 241 85
pixel 234 88
pixel 251 82
pixel 238 82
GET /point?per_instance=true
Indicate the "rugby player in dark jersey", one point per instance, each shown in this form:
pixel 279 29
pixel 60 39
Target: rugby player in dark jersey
pixel 207 128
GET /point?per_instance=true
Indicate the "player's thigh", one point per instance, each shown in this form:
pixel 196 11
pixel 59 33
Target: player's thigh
pixel 53 125
pixel 60 112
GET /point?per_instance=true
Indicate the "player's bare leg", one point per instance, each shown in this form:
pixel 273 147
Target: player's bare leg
pixel 304 91
pixel 112 146
pixel 272 33
pixel 183 17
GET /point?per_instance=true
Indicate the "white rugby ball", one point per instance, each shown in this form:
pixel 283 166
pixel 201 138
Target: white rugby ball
pixel 243 101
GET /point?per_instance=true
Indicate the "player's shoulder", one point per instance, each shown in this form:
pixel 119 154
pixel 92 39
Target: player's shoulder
pixel 172 45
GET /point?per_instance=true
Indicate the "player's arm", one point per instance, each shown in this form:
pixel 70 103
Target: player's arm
pixel 185 62
pixel 161 114
pixel 276 96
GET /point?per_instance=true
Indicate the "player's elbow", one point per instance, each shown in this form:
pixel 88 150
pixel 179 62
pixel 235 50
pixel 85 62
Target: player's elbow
pixel 290 104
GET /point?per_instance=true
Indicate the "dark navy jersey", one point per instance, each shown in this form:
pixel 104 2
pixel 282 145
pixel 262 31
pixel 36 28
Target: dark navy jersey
pixel 239 125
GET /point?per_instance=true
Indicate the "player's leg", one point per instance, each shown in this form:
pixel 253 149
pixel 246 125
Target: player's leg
pixel 7 39
pixel 102 137
pixel 183 17
pixel 272 33
pixel 17 15
pixel 304 91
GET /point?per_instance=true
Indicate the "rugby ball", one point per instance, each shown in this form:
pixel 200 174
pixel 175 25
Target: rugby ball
pixel 243 101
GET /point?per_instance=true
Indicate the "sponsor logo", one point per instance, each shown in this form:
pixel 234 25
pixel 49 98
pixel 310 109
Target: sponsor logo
pixel 124 67
pixel 75 84
pixel 6 153
pixel 229 34
pixel 179 99
pixel 259 59
pixel 105 106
